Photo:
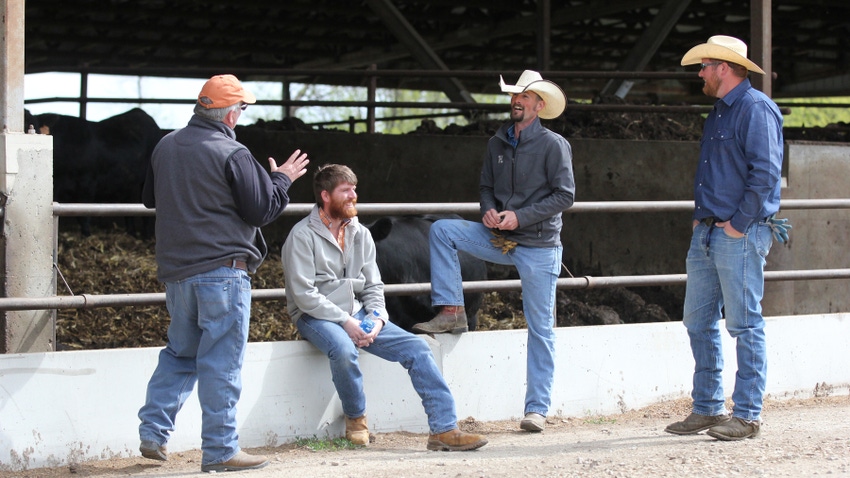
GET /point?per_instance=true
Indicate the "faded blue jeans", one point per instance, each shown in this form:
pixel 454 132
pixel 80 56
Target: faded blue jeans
pixel 393 344
pixel 538 269
pixel 726 273
pixel 207 336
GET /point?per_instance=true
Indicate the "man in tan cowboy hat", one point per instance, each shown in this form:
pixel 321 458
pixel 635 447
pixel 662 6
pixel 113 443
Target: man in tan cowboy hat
pixel 736 193
pixel 526 183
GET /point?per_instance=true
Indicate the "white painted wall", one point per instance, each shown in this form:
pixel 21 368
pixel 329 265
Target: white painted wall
pixel 65 407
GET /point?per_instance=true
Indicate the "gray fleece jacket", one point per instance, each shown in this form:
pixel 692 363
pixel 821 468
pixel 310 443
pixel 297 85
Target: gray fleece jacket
pixel 325 282
pixel 533 179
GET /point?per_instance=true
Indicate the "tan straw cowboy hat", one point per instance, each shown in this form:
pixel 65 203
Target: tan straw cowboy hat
pixel 721 47
pixel 552 94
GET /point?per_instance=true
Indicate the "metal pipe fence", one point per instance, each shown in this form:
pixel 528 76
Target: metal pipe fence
pixel 89 301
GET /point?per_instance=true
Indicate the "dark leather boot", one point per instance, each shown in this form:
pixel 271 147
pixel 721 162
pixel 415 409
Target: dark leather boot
pixel 452 318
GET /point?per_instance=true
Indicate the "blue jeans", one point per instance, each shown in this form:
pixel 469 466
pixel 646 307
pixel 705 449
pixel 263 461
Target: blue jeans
pixel 207 336
pixel 727 274
pixel 393 344
pixel 538 269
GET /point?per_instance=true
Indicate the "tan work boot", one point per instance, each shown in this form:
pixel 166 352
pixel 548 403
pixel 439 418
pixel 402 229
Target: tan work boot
pixel 240 461
pixel 452 318
pixel 455 440
pixel 356 430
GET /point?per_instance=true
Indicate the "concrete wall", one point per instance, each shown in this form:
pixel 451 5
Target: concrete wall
pixel 419 168
pixel 58 408
pixel 819 237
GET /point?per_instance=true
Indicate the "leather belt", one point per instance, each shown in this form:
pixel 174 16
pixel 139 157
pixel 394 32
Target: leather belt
pixel 709 221
pixel 236 264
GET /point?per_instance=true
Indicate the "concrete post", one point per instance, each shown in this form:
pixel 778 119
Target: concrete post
pixel 26 260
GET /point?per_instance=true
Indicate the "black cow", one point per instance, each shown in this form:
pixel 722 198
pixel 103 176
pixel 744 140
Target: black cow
pixel 101 162
pixel 403 258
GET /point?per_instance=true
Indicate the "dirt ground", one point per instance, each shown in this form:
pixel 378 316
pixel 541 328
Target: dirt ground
pixel 798 438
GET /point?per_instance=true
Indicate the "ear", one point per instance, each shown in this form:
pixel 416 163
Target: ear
pixel 326 197
pixel 540 105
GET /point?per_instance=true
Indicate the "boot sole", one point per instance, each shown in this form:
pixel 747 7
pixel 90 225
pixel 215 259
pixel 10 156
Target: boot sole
pixel 154 455
pixel 731 438
pixel 456 330
pixel 220 467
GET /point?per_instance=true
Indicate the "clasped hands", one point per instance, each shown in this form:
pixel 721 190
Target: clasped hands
pixel 357 335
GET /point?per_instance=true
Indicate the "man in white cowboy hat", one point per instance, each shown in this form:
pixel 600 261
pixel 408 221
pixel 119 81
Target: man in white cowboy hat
pixel 526 183
pixel 736 192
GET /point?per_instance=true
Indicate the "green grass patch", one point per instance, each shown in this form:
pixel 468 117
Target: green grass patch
pixel 820 112
pixel 599 420
pixel 325 444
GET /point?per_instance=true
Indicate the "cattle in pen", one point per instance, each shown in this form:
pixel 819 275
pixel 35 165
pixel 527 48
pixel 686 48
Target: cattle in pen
pixel 101 162
pixel 403 257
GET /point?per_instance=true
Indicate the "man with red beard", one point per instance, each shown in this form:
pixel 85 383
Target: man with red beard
pixel 736 194
pixel 333 286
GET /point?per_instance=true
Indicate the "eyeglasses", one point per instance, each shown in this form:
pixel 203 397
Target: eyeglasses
pixel 703 66
pixel 244 106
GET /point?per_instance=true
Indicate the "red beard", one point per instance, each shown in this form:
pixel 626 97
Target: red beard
pixel 339 209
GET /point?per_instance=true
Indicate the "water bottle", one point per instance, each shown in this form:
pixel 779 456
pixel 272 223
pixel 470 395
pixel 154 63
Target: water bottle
pixel 367 324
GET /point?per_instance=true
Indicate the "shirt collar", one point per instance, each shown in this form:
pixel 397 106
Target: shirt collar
pixel 511 133
pixel 340 239
pixel 736 92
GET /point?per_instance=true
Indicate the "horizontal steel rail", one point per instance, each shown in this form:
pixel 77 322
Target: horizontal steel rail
pixel 89 301
pixel 370 209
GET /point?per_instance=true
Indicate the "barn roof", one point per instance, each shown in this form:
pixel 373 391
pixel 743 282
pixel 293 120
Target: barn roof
pixel 316 40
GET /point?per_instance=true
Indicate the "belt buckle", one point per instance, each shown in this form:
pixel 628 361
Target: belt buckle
pixel 709 221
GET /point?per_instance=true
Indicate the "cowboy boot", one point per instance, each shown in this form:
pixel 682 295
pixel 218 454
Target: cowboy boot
pixel 452 318
pixel 356 430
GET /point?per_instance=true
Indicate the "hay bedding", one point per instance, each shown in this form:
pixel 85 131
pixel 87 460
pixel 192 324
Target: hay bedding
pixel 113 262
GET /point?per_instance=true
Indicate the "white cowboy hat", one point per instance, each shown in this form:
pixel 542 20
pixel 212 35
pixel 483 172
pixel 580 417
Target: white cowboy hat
pixel 552 94
pixel 721 47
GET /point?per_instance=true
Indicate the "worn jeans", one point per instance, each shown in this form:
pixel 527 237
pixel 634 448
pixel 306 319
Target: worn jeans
pixel 727 274
pixel 207 337
pixel 393 344
pixel 538 269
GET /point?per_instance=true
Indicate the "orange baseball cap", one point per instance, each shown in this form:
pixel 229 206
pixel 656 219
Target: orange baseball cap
pixel 222 91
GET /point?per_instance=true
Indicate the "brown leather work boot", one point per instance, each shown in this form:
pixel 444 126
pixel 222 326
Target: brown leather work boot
pixel 455 440
pixel 240 461
pixel 735 429
pixel 356 430
pixel 695 423
pixel 452 318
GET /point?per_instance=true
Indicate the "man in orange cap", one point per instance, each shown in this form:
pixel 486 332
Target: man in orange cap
pixel 736 194
pixel 211 198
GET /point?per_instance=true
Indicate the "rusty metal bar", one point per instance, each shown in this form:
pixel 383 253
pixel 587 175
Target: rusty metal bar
pixel 289 73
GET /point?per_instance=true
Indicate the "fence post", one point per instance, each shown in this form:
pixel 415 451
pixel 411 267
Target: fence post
pixel 26 184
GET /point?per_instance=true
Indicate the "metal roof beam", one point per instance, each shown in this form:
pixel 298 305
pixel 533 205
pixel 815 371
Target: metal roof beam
pixel 427 57
pixel 647 45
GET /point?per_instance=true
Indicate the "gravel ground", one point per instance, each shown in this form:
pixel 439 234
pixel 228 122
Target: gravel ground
pixel 798 438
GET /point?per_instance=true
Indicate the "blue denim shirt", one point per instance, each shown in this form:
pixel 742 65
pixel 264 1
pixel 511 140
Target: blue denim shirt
pixel 738 178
